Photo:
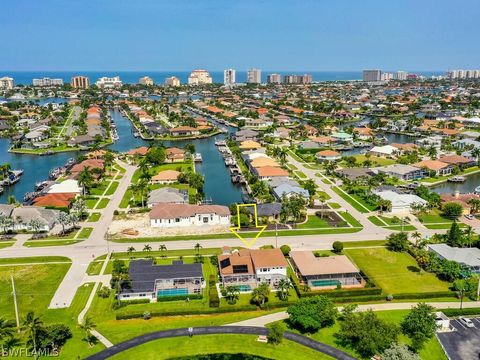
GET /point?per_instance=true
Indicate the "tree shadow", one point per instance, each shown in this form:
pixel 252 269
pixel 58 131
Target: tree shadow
pixel 413 269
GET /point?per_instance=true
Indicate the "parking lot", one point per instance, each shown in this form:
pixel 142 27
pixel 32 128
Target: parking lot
pixel 464 342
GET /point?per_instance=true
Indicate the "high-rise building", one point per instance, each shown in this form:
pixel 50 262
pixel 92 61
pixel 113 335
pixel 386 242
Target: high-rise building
pixel 199 77
pixel 47 82
pixel 6 83
pixel 80 82
pixel 229 77
pixel 400 75
pixel 274 79
pixel 146 80
pixel 254 76
pixel 172 81
pixel 297 79
pixel 109 82
pixel 386 76
pixel 372 75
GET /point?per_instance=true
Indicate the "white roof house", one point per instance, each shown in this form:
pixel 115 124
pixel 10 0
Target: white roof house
pixel 401 203
pixel 385 150
pixel 469 257
pixel 67 186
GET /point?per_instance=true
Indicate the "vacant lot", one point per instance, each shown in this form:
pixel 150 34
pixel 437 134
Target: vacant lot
pixel 395 272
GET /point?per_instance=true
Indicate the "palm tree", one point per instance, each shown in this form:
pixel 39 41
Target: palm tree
pixel 88 325
pixel 31 325
pixel 232 294
pixel 384 205
pixel 120 277
pixel 130 250
pixel 147 248
pixel 85 180
pixel 468 233
pixel 284 286
pixel 260 294
pixel 63 219
pixel 36 225
pixel 476 153
pixel 198 247
pixel 417 237
pixel 474 203
pixel 6 329
pixel 162 248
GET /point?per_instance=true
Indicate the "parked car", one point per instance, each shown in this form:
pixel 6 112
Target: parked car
pixel 467 322
pixel 469 217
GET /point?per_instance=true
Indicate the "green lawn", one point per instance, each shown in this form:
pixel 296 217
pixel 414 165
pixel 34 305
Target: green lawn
pixel 377 161
pixel 90 202
pixel 211 344
pixel 357 205
pixel 35 286
pixel 112 188
pixel 94 267
pixel 313 222
pixel 376 221
pixel 366 243
pixel 432 350
pixel 334 205
pixel 395 272
pixel 183 166
pixel 36 243
pixel 434 217
pixel 350 219
pixel 94 217
pixel 35 260
pixel 85 233
pixel 102 204
pixel 5 244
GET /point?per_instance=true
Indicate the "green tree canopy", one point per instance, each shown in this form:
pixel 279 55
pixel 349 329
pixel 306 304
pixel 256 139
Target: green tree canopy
pixel 419 325
pixel 313 313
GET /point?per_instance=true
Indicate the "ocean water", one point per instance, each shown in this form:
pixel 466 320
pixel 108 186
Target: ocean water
pixel 131 77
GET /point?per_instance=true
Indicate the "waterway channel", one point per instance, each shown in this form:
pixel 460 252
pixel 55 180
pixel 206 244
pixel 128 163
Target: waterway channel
pixel 218 187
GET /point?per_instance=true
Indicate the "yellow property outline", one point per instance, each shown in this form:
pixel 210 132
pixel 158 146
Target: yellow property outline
pixel 235 229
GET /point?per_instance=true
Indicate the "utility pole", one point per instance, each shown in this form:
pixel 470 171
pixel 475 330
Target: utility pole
pixel 14 293
pixel 276 234
pixel 478 288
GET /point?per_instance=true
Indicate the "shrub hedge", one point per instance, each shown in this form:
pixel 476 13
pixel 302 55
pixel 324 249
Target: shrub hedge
pixel 460 312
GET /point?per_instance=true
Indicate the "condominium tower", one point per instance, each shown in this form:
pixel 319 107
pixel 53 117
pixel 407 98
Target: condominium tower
pixel 6 83
pixel 229 77
pixel 254 76
pixel 199 77
pixel 80 82
pixel 372 75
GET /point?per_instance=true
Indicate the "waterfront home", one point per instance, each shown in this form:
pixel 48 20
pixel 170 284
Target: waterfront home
pixel 23 215
pixel 154 282
pixel 140 151
pixel 405 148
pixel 258 123
pixel 468 257
pixel 466 143
pixel 184 131
pixel 248 268
pixel 249 145
pixel 322 140
pixel 429 141
pixel 287 191
pixel 458 160
pixel 81 140
pixel 245 134
pixel 282 133
pixel 383 151
pixel 363 133
pixel 401 171
pixel 268 211
pixel 269 172
pixel 68 186
pixel 342 137
pixel 165 177
pixel 328 272
pixel 262 161
pixel 167 195
pixel 56 200
pixel 438 167
pixel 174 155
pixel 328 155
pixel 181 215
pixel 277 181
pixel 461 199
pixel 96 166
pixel 401 203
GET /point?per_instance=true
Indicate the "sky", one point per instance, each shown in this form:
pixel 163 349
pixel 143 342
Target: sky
pixel 294 35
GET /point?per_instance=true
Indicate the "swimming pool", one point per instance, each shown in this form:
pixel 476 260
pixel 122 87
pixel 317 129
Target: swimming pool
pixel 244 288
pixel 172 292
pixel 324 282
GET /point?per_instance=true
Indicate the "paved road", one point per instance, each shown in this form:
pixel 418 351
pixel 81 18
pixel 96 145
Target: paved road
pixel 261 321
pixel 302 340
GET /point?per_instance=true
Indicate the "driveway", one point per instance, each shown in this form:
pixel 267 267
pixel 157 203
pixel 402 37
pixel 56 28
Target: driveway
pixel 210 330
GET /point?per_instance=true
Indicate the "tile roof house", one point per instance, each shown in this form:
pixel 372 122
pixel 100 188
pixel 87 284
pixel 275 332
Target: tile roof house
pixel 151 281
pixel 325 272
pixel 249 268
pixel 269 172
pixel 328 155
pixel 61 200
pixel 401 171
pixel 439 167
pixel 140 151
pixel 174 155
pixel 177 215
pixel 165 177
pixel 288 191
pixel 455 159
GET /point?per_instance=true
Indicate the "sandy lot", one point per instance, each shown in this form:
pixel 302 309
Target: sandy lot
pixel 141 223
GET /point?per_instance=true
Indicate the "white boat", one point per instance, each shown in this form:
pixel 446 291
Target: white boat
pixel 477 190
pixel 197 157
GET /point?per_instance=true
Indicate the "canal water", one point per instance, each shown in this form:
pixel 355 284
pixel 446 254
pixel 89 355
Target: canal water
pixel 218 186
